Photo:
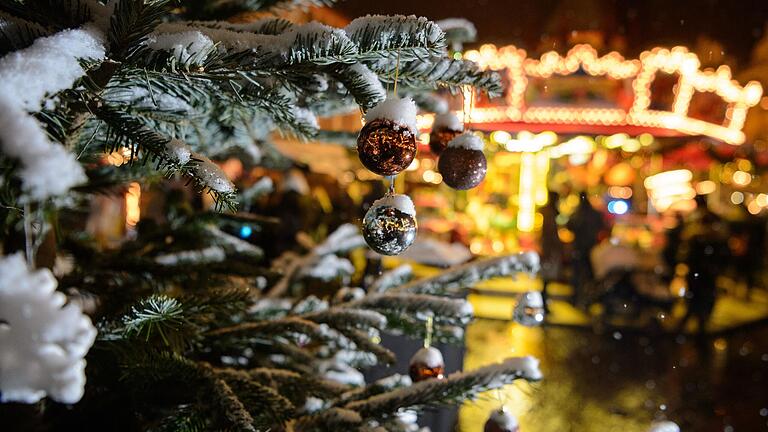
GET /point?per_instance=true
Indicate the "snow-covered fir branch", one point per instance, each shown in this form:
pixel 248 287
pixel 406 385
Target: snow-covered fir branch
pixel 454 387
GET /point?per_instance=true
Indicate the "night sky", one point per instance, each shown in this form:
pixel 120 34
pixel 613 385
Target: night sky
pixel 737 24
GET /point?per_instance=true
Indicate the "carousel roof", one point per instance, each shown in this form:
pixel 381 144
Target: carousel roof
pixel 664 92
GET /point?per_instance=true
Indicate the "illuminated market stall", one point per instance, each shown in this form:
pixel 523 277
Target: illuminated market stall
pixel 645 134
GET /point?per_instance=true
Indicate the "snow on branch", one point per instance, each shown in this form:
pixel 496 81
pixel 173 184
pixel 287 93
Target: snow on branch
pixel 307 43
pixel 392 278
pixel 345 238
pixel 387 37
pixel 456 387
pixel 440 71
pixel 27 78
pixel 464 276
pixel 447 310
pixel 361 83
pixel 458 30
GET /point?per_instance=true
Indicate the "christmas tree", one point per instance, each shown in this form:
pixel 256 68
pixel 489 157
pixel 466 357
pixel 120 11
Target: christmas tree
pixel 187 326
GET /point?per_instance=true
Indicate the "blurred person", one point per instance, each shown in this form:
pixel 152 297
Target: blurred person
pixel 551 246
pixel 705 249
pixel 674 238
pixel 587 225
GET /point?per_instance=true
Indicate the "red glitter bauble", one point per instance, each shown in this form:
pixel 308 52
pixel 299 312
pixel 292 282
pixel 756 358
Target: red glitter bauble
pixel 439 139
pixel 462 168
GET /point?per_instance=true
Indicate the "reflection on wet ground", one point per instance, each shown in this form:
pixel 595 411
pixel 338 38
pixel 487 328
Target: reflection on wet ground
pixel 623 380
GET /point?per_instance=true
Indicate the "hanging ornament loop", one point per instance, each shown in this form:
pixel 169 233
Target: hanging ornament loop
pixel 430 330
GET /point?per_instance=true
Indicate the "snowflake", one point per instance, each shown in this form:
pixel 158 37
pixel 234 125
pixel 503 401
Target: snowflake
pixel 42 339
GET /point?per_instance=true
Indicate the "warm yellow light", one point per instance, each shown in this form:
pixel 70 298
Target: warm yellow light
pixel 705 187
pixel 580 145
pixel 668 178
pixel 132 208
pixel 754 208
pixel 526 209
pixel 645 139
pixel 744 164
pixel 615 141
pixel 737 197
pixel 742 178
pixel 424 137
pixel 631 145
pixel 541 192
pixel 762 200
pixel 500 137
pixel 414 165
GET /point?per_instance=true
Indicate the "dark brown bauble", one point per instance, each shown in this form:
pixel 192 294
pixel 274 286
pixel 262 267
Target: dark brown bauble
pixel 462 168
pixel 385 147
pixel 501 421
pixel 439 139
pixel 426 364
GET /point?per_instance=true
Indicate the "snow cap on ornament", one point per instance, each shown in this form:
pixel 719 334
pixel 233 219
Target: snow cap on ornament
pixel 389 226
pixel 445 128
pixel 501 420
pixel 387 143
pixel 462 164
pixel 664 426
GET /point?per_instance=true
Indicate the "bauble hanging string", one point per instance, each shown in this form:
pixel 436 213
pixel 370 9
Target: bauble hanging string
pixel 445 128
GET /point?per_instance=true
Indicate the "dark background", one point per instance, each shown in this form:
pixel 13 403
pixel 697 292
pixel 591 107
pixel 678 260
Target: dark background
pixel 737 24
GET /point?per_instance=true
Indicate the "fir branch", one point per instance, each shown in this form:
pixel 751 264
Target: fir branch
pixel 327 420
pixel 391 278
pixel 52 14
pixel 269 328
pixel 453 389
pixel 256 397
pixel 360 82
pixel 348 318
pixel 383 385
pixel 158 315
pixel 364 343
pixel 457 279
pixel 128 131
pixel 230 406
pixel 389 37
pixel 454 311
pixel 131 21
pixel 293 385
pixel 435 72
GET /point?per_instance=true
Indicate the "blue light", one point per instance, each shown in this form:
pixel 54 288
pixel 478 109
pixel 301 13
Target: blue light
pixel 246 231
pixel 618 207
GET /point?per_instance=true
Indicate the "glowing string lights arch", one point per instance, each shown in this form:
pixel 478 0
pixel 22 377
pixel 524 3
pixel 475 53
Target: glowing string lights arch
pixel 642 72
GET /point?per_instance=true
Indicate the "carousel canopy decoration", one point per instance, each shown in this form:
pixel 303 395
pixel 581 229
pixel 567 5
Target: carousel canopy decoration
pixel 664 92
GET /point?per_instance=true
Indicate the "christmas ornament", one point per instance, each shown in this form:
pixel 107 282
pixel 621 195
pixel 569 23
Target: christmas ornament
pixel 664 426
pixel 445 128
pixel 426 363
pixel 462 164
pixel 529 310
pixel 389 226
pixel 387 143
pixel 501 420
pixel 43 339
